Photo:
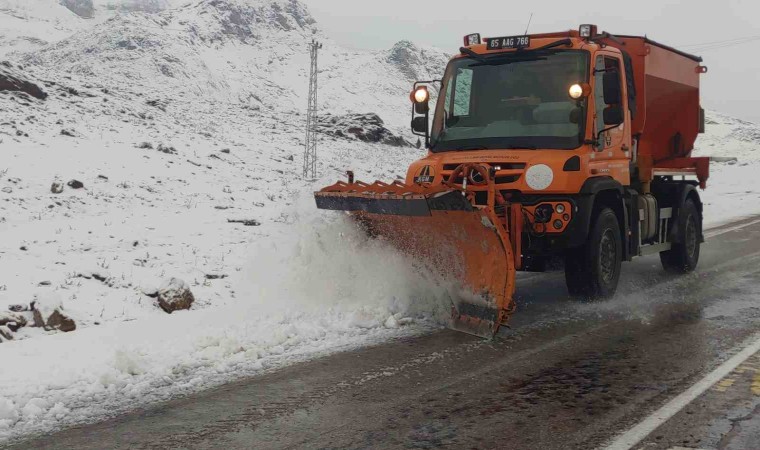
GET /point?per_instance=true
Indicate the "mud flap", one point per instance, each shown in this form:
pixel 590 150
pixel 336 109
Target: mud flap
pixel 448 235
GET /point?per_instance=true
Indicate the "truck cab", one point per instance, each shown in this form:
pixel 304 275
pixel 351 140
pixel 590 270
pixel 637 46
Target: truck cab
pixel 586 138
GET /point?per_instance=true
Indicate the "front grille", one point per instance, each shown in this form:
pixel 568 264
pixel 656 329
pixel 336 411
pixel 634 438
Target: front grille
pixel 507 179
pixel 501 177
pixel 504 166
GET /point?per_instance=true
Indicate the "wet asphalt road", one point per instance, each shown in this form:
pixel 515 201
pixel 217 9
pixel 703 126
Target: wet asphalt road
pixel 725 417
pixel 566 376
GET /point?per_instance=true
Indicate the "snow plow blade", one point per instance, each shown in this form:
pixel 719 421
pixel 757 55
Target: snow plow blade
pixel 440 228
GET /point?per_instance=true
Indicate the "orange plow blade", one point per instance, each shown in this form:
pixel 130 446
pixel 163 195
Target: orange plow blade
pixel 441 228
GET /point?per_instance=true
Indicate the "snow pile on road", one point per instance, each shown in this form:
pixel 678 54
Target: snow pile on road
pixel 334 266
pixel 314 287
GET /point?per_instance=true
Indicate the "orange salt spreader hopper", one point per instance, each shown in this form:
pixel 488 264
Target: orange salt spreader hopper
pixel 572 146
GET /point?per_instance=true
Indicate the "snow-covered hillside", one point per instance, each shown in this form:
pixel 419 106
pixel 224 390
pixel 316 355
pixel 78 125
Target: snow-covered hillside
pixel 183 122
pixel 185 128
pixel 32 24
pixel 190 116
pixel 733 189
pixel 251 54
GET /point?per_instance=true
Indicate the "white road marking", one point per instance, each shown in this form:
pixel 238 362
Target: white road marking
pixel 651 423
pixel 718 232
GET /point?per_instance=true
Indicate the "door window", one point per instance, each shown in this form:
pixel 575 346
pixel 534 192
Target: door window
pixel 603 65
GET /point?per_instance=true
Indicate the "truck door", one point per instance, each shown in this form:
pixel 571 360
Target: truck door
pixel 615 142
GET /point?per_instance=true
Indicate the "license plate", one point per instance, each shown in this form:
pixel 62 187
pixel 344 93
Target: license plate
pixel 508 42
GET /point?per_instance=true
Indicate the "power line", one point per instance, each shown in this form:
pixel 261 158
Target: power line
pixel 707 46
pixel 721 42
pixel 717 47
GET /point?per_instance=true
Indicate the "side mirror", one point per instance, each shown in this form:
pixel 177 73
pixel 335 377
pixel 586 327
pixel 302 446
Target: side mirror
pixel 420 97
pixel 613 115
pixel 575 115
pixel 420 124
pixel 611 84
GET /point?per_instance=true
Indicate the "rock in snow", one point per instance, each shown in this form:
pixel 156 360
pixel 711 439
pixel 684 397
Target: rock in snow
pixel 75 184
pixel 5 334
pixel 12 320
pixel 168 149
pixel 364 127
pixel 82 8
pixel 174 295
pixel 12 80
pixel 48 314
pixel 19 308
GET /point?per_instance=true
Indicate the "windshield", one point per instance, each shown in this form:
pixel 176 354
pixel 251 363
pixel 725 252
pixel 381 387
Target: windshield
pixel 514 100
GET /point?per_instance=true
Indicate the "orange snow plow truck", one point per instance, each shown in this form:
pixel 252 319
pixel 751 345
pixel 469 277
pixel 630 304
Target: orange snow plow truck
pixel 572 146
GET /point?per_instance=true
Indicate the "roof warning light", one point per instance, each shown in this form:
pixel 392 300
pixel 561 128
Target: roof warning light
pixel 472 39
pixel 587 30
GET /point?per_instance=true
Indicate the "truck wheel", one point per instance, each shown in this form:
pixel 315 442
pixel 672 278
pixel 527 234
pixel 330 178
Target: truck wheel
pixel 683 257
pixel 593 271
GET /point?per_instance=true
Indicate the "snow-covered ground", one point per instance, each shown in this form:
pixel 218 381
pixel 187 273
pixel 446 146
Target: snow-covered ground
pixel 734 187
pixel 177 122
pixel 312 287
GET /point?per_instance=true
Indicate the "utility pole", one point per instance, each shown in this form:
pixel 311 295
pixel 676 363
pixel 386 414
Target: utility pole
pixel 310 151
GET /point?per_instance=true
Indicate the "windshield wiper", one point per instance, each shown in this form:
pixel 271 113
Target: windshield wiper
pixel 521 147
pixel 472 54
pixel 552 45
pixel 472 147
pixel 507 58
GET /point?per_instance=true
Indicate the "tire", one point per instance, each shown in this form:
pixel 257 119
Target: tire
pixel 684 257
pixel 593 270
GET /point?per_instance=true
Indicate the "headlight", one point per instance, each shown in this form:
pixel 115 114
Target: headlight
pixel 421 95
pixel 575 91
pixel 560 208
pixel 579 90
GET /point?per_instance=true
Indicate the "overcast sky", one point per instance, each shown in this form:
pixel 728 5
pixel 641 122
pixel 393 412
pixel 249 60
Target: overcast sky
pixel 731 86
